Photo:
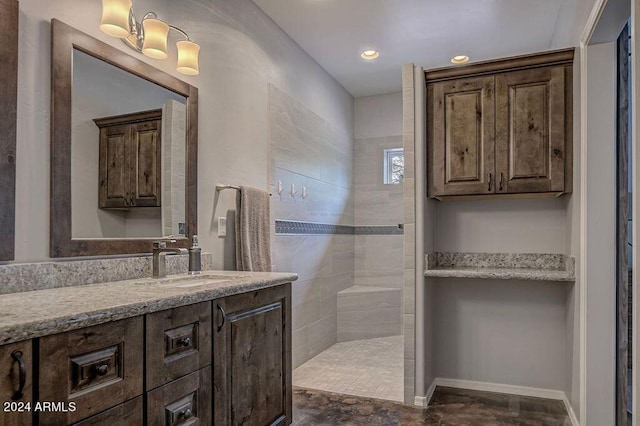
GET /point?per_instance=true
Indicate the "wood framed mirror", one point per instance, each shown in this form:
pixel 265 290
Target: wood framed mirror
pixel 8 107
pixel 124 150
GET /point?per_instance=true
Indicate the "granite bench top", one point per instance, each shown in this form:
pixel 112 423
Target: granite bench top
pixel 503 266
pixel 39 313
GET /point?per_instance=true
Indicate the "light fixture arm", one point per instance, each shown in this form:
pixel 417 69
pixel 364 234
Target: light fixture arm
pixel 136 30
pixel 180 31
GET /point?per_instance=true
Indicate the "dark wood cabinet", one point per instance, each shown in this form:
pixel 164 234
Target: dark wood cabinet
pixel 252 352
pixel 185 401
pixel 178 342
pixel 501 127
pixel 531 116
pixel 93 368
pixel 16 378
pixel 127 413
pixel 223 362
pixel 130 160
pixel 463 131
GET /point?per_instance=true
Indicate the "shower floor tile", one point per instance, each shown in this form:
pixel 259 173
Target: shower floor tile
pixel 370 368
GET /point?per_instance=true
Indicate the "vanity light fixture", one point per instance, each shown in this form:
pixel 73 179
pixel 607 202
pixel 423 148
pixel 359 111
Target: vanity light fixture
pixel 370 54
pixel 149 36
pixel 460 59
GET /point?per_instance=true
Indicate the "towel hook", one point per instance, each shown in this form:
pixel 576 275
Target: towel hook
pixel 293 190
pixel 280 187
pixel 305 194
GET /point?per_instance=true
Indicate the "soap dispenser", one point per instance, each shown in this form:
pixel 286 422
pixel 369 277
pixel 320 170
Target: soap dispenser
pixel 195 259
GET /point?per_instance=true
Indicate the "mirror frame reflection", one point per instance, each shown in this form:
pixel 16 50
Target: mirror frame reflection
pixel 64 40
pixel 8 107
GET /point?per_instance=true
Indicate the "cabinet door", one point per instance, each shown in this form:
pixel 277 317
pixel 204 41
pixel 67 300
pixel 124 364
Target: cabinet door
pixel 461 131
pixel 252 349
pixel 530 130
pixel 96 368
pixel 178 342
pixel 145 160
pixel 128 413
pixel 16 374
pixel 185 402
pixel 114 167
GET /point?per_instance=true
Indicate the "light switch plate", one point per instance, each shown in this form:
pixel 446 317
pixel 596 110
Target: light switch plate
pixel 222 227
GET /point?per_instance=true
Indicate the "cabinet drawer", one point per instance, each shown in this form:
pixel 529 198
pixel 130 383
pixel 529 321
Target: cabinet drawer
pixel 16 374
pixel 128 414
pixel 178 342
pixel 186 401
pixel 96 368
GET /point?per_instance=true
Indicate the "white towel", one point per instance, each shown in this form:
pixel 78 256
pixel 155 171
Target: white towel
pixel 253 246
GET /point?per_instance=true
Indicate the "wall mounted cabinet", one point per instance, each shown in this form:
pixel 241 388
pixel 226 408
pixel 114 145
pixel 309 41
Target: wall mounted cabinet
pixel 501 128
pixel 130 158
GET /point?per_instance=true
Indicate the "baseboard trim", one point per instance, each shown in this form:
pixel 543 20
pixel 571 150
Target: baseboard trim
pixel 572 414
pixel 423 401
pixel 420 401
pixel 500 388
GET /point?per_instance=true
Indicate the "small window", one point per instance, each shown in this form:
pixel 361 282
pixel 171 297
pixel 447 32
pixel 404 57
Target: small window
pixel 393 166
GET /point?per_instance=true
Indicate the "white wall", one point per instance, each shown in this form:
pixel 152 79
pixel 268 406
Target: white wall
pixel 242 51
pixel 500 332
pixel 599 215
pixel 501 226
pixel 378 116
pixel 308 151
pixel 377 126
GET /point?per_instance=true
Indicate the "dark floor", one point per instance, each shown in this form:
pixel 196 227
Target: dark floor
pixel 448 406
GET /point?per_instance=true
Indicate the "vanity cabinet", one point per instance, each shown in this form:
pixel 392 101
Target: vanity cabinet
pixel 186 401
pixel 130 160
pixel 178 343
pixel 16 378
pixel 252 352
pixel 225 361
pixel 90 370
pixel 501 127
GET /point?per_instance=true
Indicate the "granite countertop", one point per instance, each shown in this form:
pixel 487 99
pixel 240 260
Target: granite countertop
pixel 504 266
pixel 39 313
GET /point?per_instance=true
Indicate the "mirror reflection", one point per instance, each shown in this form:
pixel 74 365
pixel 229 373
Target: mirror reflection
pixel 128 154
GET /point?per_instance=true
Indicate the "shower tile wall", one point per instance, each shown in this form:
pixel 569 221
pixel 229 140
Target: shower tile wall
pixel 308 151
pixel 378 258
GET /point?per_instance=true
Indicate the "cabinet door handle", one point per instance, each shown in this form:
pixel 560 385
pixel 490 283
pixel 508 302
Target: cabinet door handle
pixel 126 199
pixel 490 181
pixel 22 376
pixel 501 181
pixel 224 316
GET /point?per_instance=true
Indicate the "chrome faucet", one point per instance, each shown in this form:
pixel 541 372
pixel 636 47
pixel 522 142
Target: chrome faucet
pixel 160 251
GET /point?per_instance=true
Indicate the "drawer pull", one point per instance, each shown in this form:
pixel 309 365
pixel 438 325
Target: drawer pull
pixel 186 414
pixel 224 316
pixel 101 370
pixel 22 376
pixel 501 180
pixel 184 342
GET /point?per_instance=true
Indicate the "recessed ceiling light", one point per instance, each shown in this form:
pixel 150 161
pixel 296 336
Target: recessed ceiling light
pixel 370 54
pixel 459 59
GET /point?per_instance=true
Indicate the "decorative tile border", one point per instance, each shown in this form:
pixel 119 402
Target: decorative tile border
pixel 290 227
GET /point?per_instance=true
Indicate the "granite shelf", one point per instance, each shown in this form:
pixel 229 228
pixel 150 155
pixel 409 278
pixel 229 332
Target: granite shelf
pixel 501 266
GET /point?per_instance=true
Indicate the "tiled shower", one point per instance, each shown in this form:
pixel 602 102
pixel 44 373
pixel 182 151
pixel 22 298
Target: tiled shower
pixel 339 226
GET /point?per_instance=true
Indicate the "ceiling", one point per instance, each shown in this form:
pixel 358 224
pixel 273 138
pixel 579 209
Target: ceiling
pixel 424 32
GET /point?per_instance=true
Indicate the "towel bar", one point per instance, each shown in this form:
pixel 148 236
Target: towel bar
pixel 220 187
